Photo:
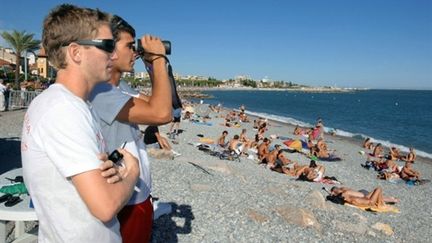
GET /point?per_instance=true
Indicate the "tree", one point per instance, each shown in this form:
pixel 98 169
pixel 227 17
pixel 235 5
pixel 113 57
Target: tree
pixel 19 42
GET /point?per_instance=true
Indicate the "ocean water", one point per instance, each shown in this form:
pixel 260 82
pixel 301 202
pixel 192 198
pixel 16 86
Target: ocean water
pixel 400 118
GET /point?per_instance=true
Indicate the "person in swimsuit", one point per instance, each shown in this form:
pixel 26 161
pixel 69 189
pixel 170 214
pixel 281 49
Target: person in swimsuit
pixel 236 146
pixel 275 159
pixel 411 156
pixel 312 173
pixel 263 148
pixel 367 144
pixel 363 198
pixel 221 140
pixel 408 173
pixel 394 153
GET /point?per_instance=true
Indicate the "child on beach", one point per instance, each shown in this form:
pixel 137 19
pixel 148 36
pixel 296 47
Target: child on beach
pixel 221 140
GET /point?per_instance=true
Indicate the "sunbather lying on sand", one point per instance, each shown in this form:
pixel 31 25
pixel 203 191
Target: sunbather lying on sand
pixel 312 173
pixel 320 151
pixel 374 199
pixel 275 160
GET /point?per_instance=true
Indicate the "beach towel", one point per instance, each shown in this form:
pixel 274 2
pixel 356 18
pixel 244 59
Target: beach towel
pixel 18 188
pixel 206 140
pixel 417 182
pixel 296 144
pixel 386 209
pixel 328 181
pixel 331 158
pixel 284 138
pixel 202 123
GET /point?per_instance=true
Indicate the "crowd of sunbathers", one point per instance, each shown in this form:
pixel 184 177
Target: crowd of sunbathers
pixel 273 157
pixel 387 165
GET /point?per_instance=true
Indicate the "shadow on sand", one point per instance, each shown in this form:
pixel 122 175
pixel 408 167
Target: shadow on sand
pixel 167 227
pixel 10 154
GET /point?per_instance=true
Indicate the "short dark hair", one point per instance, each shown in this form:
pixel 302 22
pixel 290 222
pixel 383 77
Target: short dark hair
pixel 236 136
pixel 312 164
pixel 303 177
pixel 119 25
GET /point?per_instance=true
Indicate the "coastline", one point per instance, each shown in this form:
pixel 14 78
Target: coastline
pixel 380 124
pixel 301 89
pixel 352 140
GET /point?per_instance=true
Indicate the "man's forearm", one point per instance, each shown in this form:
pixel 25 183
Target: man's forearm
pixel 104 200
pixel 161 86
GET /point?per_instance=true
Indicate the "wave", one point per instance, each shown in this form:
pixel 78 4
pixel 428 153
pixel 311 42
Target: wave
pixel 338 132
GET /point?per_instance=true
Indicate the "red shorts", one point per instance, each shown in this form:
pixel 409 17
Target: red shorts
pixel 136 222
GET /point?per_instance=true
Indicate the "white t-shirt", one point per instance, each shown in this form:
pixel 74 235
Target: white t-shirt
pixel 60 139
pixel 2 88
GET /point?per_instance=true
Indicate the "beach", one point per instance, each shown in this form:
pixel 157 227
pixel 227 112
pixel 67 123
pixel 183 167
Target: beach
pixel 216 200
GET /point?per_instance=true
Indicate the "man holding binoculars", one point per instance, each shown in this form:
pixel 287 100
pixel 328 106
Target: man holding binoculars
pixel 121 109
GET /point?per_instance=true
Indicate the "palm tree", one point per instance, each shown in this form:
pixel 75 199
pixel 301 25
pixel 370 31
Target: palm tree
pixel 20 41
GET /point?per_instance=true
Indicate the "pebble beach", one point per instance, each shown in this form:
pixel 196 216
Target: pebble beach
pixel 216 200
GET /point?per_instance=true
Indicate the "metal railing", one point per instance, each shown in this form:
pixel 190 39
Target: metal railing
pixel 21 99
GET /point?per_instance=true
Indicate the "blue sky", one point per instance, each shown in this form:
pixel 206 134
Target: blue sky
pixel 347 43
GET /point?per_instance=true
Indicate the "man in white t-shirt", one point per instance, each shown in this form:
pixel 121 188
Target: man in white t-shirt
pixel 61 139
pixel 121 109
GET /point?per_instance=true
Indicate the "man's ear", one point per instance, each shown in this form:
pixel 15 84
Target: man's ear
pixel 74 52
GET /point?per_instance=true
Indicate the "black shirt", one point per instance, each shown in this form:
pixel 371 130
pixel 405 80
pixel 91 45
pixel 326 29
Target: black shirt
pixel 150 134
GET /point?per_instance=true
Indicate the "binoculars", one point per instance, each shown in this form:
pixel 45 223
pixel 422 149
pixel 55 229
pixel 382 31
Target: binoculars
pixel 140 50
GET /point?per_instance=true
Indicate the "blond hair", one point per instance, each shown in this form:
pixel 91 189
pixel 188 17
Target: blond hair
pixel 68 23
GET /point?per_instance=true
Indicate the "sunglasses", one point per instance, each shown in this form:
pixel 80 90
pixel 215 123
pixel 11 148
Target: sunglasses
pixel 107 45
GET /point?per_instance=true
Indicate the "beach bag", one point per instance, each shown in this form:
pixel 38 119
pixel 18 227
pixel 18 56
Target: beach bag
pixel 204 147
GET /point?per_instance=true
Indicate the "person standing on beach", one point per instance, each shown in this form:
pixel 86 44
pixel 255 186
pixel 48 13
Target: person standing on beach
pixel 2 96
pixel 121 108
pixel 61 140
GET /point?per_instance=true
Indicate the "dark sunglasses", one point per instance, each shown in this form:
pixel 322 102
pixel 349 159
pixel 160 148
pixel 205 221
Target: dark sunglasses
pixel 107 45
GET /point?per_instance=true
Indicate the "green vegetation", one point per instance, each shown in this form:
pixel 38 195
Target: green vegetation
pixel 20 42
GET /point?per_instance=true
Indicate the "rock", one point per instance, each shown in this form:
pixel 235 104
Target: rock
pixel 359 228
pixel 371 233
pixel 360 217
pixel 299 216
pixel 256 216
pixel 221 167
pixel 385 228
pixel 200 187
pixel 317 200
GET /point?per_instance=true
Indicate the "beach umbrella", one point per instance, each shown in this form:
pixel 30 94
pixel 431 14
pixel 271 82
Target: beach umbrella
pixel 202 110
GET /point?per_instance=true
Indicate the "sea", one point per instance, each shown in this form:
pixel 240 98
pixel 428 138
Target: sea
pixel 400 118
